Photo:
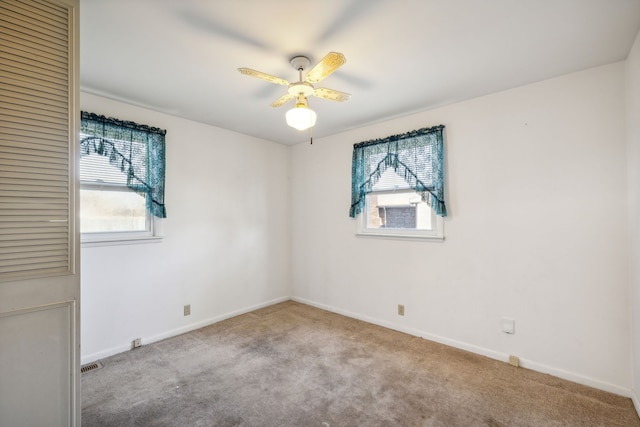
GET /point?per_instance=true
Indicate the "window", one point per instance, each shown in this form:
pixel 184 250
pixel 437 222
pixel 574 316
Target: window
pixel 121 179
pixel 398 185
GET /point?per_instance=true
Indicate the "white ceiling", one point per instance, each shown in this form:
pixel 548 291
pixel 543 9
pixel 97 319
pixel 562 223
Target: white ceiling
pixel 180 56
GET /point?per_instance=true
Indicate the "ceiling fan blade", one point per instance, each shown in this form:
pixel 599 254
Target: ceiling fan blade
pixel 263 76
pixel 282 100
pixel 325 67
pixel 206 22
pixel 331 95
pixel 352 12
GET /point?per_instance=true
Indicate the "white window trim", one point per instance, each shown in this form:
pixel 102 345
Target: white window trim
pixel 435 234
pixel 114 240
pixel 155 235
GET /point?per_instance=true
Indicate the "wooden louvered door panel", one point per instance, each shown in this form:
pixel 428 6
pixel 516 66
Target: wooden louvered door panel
pixel 39 282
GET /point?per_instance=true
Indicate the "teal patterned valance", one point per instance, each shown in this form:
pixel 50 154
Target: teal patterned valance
pixel 137 150
pixel 416 156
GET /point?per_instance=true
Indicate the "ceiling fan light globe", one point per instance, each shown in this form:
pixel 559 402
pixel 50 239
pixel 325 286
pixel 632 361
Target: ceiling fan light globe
pixel 301 117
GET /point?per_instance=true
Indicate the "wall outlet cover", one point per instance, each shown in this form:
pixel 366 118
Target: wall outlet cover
pixel 508 325
pixel 514 360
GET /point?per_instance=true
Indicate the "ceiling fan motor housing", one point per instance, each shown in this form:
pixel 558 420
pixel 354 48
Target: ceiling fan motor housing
pixel 300 88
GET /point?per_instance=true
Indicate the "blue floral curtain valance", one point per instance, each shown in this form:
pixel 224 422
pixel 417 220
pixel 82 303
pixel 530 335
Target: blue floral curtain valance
pixel 137 150
pixel 417 156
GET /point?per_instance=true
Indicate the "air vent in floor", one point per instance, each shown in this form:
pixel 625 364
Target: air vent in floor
pixel 90 367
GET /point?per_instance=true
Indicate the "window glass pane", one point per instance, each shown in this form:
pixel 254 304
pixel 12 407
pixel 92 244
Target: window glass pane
pixel 112 210
pixel 398 210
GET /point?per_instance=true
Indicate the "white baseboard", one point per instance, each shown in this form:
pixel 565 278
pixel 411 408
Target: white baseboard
pixel 88 358
pixel 576 378
pixel 528 364
pixel 457 344
pixel 524 363
pixel 636 402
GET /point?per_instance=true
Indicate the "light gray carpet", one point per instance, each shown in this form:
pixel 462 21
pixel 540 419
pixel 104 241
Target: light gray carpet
pixel 295 365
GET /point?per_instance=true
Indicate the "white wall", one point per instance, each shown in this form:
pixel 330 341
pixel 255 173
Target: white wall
pixel 537 231
pixel 633 156
pixel 226 247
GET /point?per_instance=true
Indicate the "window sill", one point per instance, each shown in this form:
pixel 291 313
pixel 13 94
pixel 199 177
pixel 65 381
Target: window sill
pixel 117 241
pixel 398 236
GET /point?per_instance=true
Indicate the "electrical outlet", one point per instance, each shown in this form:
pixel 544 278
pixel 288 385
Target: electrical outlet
pixel 514 360
pixel 136 343
pixel 400 310
pixel 187 310
pixel 508 325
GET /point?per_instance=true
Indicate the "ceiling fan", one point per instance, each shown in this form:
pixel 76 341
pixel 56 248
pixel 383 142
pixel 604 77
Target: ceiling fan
pixel 301 116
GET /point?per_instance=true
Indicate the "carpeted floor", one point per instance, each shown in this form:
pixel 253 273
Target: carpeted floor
pixel 294 365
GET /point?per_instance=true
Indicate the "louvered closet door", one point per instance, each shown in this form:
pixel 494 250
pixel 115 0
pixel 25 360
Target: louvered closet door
pixel 34 140
pixel 39 284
